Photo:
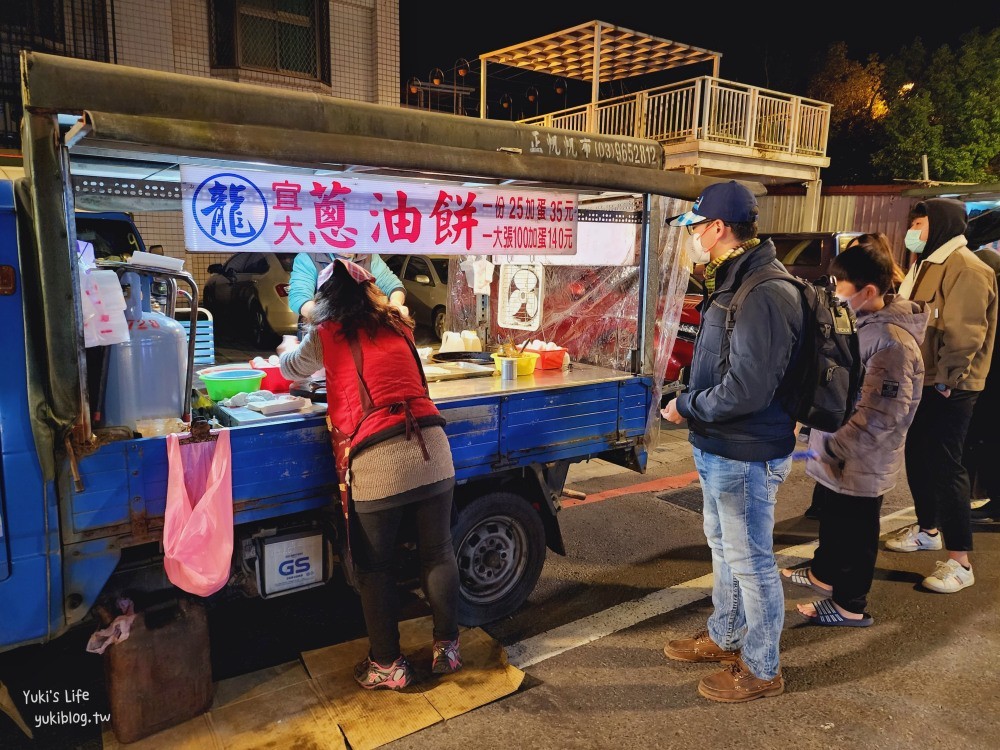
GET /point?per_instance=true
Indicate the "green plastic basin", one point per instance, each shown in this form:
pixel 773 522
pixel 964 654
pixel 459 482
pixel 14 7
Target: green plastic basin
pixel 226 383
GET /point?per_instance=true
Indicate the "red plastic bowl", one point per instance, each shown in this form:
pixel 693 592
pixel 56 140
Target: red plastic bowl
pixel 273 380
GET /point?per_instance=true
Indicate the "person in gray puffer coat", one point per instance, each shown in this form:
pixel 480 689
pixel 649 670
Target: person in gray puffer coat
pixel 856 465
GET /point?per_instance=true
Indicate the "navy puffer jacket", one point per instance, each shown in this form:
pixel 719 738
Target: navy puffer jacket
pixel 733 403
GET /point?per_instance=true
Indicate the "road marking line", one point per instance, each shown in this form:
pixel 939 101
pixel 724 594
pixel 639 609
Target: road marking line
pixel 588 629
pixel 655 485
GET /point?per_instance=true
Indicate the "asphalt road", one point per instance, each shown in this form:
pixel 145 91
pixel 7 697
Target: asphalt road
pixel 590 638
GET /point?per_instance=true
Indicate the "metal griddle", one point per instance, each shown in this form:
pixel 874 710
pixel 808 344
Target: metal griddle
pixel 439 367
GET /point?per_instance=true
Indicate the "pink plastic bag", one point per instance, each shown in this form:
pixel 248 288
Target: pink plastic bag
pixel 198 525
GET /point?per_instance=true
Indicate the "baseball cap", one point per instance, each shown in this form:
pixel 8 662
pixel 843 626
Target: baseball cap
pixel 357 273
pixel 729 201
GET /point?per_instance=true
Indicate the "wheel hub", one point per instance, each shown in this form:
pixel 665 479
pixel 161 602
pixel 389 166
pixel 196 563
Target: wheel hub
pixel 492 557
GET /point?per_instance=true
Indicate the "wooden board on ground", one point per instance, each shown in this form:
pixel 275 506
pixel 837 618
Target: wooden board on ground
pixel 316 703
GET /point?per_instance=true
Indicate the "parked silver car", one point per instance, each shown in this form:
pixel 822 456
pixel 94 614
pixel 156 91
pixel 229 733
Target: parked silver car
pixel 248 297
pixel 425 278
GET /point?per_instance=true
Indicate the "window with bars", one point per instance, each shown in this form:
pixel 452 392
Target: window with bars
pixel 290 37
pixel 75 28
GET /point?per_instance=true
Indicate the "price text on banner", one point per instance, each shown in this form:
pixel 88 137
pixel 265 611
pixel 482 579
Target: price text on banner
pixel 228 211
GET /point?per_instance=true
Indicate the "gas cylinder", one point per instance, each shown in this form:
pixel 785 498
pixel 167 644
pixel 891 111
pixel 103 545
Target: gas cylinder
pixel 147 373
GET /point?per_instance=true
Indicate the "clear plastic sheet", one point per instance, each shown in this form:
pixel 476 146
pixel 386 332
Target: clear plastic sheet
pixel 592 310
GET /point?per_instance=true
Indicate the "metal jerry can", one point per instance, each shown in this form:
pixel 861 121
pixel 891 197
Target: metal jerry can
pixel 161 675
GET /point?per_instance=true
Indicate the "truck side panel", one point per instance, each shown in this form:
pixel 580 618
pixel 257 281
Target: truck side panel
pixel 285 467
pixel 30 553
pixel 282 468
pixel 278 468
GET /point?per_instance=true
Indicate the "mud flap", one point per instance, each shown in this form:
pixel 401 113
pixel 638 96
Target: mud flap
pixel 551 479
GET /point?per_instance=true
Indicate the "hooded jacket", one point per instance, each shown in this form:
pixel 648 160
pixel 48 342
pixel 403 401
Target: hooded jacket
pixel 960 293
pixel 864 457
pixel 734 399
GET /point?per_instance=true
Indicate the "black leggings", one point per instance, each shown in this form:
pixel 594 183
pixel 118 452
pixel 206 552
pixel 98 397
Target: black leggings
pixel 848 545
pixel 374 549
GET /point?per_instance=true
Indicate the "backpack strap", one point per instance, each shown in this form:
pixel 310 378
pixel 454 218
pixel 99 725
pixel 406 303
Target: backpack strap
pixel 749 282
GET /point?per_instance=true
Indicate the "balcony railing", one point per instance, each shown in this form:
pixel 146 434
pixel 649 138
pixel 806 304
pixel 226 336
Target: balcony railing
pixel 708 109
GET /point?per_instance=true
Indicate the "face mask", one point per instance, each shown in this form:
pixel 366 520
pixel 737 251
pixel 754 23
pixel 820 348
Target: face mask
pixel 848 300
pixel 913 242
pixel 697 251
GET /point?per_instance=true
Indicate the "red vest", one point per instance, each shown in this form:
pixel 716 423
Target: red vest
pixel 394 379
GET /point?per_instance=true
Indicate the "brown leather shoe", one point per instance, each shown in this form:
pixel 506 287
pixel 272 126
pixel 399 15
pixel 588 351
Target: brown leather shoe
pixel 699 648
pixel 737 684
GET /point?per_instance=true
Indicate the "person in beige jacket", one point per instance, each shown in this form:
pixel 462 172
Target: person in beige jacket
pixel 960 292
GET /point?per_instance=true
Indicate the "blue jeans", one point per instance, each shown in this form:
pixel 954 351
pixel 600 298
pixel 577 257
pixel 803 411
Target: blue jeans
pixel 749 605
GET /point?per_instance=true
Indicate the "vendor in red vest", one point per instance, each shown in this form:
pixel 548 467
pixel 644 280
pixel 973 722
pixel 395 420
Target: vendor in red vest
pixel 393 460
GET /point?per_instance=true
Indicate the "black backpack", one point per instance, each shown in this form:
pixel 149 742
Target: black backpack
pixel 822 387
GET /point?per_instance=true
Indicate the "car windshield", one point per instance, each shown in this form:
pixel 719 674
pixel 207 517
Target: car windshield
pixel 441 266
pixel 111 238
pixel 798 251
pixel 395 263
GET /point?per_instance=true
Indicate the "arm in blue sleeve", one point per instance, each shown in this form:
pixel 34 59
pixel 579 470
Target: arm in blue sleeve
pixel 385 279
pixel 301 282
pixel 759 353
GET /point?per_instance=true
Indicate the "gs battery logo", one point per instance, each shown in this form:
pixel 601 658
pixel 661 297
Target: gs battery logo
pixel 298 565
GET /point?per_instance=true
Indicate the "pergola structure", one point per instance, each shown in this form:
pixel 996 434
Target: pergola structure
pixel 597 52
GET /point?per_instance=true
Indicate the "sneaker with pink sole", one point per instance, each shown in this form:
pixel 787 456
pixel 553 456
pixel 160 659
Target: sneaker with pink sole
pixel 371 675
pixel 445 657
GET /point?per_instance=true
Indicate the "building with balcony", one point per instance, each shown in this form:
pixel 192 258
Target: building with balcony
pixel 706 125
pixel 345 48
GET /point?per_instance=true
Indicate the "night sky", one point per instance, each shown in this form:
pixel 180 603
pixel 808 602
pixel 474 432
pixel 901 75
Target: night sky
pixel 766 45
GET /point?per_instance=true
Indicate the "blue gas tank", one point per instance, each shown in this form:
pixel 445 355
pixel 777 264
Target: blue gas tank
pixel 146 374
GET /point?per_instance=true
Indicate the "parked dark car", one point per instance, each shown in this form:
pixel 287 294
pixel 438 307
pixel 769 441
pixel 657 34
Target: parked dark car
pixel 248 297
pixel 808 254
pixel 425 278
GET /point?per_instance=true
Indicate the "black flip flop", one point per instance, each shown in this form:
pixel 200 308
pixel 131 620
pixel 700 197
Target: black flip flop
pixel 827 614
pixel 800 577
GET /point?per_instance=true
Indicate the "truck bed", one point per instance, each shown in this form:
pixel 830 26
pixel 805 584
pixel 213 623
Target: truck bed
pixel 285 466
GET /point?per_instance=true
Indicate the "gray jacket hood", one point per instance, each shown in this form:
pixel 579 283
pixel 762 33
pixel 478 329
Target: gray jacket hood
pixel 911 316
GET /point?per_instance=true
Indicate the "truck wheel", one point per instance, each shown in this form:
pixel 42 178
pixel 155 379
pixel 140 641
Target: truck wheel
pixel 500 548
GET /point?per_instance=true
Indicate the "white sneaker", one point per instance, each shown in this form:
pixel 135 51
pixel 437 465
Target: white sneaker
pixel 948 577
pixel 912 539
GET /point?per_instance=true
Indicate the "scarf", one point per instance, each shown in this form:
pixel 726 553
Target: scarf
pixel 711 270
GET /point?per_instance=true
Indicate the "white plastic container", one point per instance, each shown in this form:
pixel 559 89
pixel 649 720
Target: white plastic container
pixel 279 405
pixel 149 260
pixel 471 342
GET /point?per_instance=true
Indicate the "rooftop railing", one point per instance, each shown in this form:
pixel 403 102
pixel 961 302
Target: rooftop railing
pixel 708 109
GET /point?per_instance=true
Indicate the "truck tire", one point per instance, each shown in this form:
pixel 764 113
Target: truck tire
pixel 499 544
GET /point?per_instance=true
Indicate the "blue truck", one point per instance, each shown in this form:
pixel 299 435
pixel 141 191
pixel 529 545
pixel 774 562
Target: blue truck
pixel 82 501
